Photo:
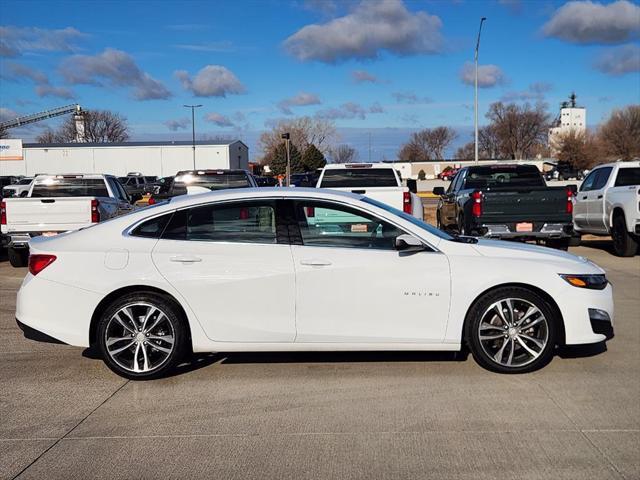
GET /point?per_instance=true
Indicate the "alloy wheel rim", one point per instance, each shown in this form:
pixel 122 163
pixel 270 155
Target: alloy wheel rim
pixel 139 337
pixel 513 332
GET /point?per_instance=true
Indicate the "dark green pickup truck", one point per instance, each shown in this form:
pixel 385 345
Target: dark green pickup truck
pixel 506 202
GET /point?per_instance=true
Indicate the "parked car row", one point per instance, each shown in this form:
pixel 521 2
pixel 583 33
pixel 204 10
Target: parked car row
pixel 513 202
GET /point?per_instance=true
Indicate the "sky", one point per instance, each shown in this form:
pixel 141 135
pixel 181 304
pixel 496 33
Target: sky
pixel 379 69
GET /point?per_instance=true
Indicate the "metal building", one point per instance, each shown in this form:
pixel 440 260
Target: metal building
pixel 149 158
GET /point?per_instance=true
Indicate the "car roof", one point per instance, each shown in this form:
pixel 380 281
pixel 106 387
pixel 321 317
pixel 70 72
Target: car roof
pixel 72 175
pixel 338 166
pixel 620 163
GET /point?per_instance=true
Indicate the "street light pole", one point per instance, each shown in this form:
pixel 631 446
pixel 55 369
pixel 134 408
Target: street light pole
pixel 475 124
pixel 193 130
pixel 287 139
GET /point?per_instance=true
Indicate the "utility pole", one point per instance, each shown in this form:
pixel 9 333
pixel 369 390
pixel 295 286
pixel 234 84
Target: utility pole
pixel 476 92
pixel 369 147
pixel 193 130
pixel 287 139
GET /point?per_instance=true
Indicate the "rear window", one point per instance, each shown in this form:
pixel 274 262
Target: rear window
pixel 504 176
pixel 627 177
pixel 70 187
pixel 359 178
pixel 214 181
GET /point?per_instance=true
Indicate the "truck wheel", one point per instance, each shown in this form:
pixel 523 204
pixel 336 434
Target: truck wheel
pixel 558 243
pixel 575 240
pixel 18 257
pixel 439 222
pixel 624 243
pixel 461 229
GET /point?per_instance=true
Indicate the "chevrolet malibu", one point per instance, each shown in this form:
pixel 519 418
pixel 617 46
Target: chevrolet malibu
pixel 303 269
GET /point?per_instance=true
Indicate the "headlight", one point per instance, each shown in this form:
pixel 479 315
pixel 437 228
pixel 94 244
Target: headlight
pixel 593 282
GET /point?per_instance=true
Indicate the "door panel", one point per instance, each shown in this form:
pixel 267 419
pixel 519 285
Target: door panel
pixel 582 200
pixel 240 286
pixel 595 204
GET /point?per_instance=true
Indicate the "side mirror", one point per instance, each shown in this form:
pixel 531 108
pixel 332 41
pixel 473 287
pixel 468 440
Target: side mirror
pixel 412 184
pixel 408 243
pixel 438 191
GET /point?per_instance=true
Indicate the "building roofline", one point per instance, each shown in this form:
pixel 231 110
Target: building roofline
pixel 170 143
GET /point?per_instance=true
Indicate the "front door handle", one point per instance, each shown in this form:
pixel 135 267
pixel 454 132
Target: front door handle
pixel 315 263
pixel 185 259
pixel 584 198
pixel 599 197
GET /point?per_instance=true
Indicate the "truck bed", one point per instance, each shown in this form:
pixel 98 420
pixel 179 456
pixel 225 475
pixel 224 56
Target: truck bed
pixel 59 214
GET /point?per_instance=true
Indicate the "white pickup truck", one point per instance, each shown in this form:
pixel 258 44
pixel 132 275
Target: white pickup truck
pixel 379 181
pixel 608 203
pixel 56 204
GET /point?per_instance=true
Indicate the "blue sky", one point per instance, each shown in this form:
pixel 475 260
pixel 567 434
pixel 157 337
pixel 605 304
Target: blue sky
pixel 382 66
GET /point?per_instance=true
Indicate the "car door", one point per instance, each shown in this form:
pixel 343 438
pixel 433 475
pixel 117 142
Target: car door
pixel 595 202
pixel 353 286
pixel 233 269
pixel 119 196
pixel 581 202
pixel 448 214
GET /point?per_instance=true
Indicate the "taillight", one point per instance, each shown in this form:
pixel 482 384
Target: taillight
pixel 38 262
pixel 95 211
pixel 406 202
pixel 569 200
pixel 311 212
pixel 3 213
pixel 476 206
pixel 152 201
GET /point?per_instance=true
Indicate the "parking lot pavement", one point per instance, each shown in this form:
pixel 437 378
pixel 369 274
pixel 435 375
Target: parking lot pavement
pixel 346 415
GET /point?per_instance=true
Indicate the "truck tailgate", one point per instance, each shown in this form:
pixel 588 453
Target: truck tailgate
pixel 47 214
pixel 526 205
pixel 392 196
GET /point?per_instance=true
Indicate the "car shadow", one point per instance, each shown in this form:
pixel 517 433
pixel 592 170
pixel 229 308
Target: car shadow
pixel 599 244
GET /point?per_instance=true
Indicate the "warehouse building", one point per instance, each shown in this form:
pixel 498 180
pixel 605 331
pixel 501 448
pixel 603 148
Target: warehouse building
pixel 149 158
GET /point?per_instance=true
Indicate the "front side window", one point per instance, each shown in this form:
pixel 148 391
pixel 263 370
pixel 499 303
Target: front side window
pixel 588 182
pixel 602 178
pixel 324 224
pixel 238 222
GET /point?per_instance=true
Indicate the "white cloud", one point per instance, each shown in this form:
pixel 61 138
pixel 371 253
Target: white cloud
pixel 619 60
pixel 218 119
pixel 349 110
pixel 216 47
pixel 179 124
pixel 301 99
pixel 115 67
pixel 48 90
pixel 593 22
pixel 488 75
pixel 362 76
pixel 535 92
pixel 18 72
pixel 372 27
pixel 211 81
pixel 17 40
pixel 410 98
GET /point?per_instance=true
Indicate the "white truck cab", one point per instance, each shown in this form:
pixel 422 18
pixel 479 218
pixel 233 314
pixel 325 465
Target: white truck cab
pixel 608 203
pixel 379 181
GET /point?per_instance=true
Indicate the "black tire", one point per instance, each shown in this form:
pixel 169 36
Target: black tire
pixel 175 326
pixel 558 243
pixel 463 229
pixel 439 222
pixel 575 240
pixel 479 310
pixel 18 257
pixel 624 243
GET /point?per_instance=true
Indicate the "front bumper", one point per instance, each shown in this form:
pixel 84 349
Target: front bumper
pixel 581 324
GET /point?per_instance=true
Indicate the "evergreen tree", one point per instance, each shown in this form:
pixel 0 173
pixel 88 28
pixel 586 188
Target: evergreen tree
pixel 312 159
pixel 278 163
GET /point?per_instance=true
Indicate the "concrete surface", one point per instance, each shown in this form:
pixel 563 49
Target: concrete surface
pixel 344 416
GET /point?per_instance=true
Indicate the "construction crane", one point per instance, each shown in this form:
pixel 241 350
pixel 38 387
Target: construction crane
pixel 56 112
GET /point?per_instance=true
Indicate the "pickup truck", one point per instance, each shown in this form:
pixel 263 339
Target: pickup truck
pixel 506 202
pixel 190 182
pixel 379 181
pixel 18 189
pixel 608 203
pixel 57 204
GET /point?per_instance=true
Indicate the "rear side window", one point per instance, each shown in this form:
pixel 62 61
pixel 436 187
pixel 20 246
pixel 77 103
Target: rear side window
pixel 70 187
pixel 237 222
pixel 359 178
pixel 152 228
pixel 627 177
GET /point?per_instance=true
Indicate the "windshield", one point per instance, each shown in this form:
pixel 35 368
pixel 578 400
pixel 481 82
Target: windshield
pixel 409 218
pixel 213 181
pixel 359 178
pixel 70 187
pixel 25 181
pixel 504 176
pixel 628 177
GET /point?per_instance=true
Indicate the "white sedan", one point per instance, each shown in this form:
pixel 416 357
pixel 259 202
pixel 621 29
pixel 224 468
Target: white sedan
pixel 303 269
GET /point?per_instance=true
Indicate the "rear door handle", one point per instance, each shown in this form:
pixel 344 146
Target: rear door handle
pixel 185 259
pixel 315 263
pixel 584 198
pixel 599 197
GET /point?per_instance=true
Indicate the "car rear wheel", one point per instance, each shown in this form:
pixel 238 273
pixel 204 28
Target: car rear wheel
pixel 142 336
pixel 624 244
pixel 512 330
pixel 18 257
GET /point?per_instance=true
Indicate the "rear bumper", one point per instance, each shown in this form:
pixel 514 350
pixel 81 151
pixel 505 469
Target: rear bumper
pixel 540 231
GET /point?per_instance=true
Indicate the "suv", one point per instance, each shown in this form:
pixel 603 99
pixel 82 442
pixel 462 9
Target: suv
pixel 198 181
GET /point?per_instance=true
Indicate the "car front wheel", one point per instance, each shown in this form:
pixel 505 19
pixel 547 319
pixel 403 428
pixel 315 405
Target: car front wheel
pixel 512 330
pixel 142 336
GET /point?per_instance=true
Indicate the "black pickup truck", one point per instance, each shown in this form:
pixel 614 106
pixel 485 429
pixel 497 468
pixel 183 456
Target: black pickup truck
pixel 506 202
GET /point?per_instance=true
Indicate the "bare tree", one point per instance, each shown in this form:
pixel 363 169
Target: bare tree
pixel 100 126
pixel 304 131
pixel 427 144
pixel 343 154
pixel 580 150
pixel 620 134
pixel 466 152
pixel 519 129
